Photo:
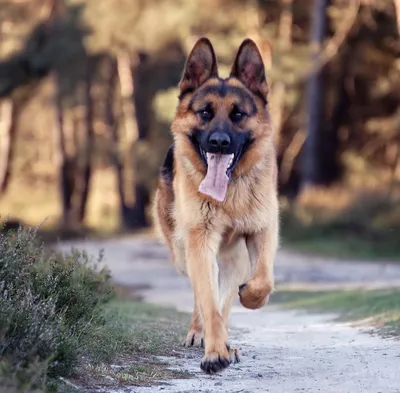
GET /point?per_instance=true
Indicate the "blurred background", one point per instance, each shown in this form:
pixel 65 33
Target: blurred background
pixel 88 90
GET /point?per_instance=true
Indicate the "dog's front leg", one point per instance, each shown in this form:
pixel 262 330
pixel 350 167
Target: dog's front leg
pixel 202 248
pixel 262 248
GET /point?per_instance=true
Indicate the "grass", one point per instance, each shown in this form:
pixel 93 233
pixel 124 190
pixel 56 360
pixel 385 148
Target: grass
pixel 155 332
pixel 60 320
pixel 339 240
pixel 381 308
pixel 343 223
pixel 156 329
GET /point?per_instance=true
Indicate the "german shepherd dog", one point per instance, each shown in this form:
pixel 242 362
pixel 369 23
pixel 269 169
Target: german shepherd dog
pixel 216 203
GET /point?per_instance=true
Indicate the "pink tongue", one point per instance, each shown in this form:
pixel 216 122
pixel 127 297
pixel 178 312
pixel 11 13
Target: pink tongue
pixel 215 184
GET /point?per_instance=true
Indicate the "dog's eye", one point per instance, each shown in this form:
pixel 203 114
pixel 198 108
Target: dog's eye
pixel 237 115
pixel 205 114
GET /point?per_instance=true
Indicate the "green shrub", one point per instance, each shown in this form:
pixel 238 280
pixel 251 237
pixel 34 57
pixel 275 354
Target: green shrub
pixel 51 312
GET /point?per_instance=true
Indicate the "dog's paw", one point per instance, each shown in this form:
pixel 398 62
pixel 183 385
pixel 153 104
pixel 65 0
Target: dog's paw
pixel 214 362
pixel 254 295
pixel 194 338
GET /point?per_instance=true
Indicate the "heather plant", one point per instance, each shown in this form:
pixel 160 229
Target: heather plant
pixel 52 312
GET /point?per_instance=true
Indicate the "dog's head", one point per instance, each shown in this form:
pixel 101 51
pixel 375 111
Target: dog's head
pixel 222 125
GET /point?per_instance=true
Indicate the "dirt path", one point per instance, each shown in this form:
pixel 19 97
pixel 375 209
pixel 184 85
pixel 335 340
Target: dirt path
pixel 282 351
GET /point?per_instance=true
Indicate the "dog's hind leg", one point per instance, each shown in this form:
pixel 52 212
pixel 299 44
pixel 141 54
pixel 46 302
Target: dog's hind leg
pixel 194 337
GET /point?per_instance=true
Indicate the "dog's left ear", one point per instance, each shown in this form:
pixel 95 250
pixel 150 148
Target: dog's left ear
pixel 249 68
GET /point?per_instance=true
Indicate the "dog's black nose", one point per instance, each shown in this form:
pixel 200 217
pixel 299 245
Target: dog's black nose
pixel 218 142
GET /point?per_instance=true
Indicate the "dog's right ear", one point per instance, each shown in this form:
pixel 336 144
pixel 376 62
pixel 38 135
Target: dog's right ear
pixel 249 68
pixel 200 66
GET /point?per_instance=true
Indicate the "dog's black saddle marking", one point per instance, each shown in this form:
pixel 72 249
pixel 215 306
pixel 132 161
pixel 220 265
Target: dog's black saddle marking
pixel 167 169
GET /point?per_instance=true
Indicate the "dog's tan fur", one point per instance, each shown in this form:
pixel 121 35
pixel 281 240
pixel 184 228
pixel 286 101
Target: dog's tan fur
pixel 221 246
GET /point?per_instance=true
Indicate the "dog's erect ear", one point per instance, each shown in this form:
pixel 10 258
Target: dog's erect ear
pixel 249 68
pixel 200 66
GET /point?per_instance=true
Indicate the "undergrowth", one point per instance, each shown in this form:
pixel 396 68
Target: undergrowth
pixel 52 314
pixel 366 227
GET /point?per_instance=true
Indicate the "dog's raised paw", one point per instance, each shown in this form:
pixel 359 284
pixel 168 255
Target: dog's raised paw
pixel 194 338
pixel 254 295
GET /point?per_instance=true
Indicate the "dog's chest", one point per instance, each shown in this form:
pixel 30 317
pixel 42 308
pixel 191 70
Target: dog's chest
pixel 247 224
pixel 250 217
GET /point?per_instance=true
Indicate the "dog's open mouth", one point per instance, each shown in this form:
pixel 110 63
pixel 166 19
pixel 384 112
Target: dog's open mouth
pixel 219 171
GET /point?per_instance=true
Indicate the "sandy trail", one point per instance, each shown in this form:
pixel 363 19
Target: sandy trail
pixel 282 351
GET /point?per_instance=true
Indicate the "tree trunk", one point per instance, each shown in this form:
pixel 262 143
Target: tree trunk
pixel 329 147
pixel 127 211
pixel 126 84
pixel 311 173
pixel 135 194
pixel 113 129
pixel 61 159
pixel 86 167
pixel 279 88
pixel 7 135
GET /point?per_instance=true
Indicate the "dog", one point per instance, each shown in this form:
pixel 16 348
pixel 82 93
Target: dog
pixel 216 203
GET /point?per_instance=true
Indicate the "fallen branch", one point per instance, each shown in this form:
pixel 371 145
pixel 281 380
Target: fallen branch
pixel 397 7
pixel 332 47
pixel 290 155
